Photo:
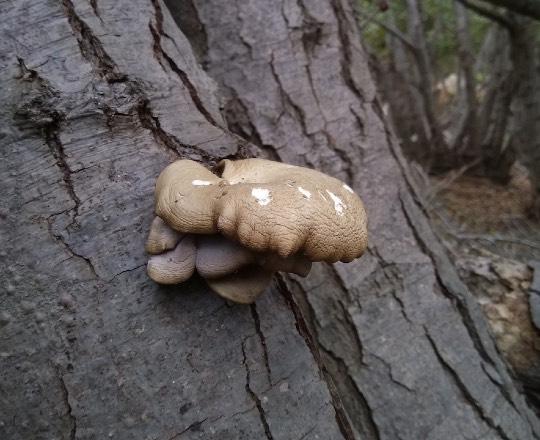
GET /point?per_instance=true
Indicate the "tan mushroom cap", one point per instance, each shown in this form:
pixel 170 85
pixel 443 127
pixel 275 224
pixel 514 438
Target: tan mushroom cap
pixel 267 207
pixel 243 287
pixel 186 193
pixel 161 237
pixel 174 266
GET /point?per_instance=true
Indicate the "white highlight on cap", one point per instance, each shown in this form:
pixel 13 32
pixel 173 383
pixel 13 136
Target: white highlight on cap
pixel 201 183
pixel 304 192
pixel 262 195
pixel 348 188
pixel 338 204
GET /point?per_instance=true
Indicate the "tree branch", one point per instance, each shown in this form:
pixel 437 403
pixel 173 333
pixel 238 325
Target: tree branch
pixel 391 30
pixel 485 12
pixel 530 8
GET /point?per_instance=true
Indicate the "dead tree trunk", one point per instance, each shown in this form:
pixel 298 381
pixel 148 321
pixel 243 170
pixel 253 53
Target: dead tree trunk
pixel 494 113
pixel 97 98
pixel 439 147
pixel 465 143
pixel 526 103
pixel 398 80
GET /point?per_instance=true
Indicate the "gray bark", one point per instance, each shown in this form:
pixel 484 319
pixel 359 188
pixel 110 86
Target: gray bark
pixel 98 97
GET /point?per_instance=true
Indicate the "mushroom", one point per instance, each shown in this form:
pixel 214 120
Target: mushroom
pixel 218 256
pixel 230 269
pixel 186 193
pixel 161 237
pixel 175 266
pixel 243 287
pixel 265 206
pixel 259 217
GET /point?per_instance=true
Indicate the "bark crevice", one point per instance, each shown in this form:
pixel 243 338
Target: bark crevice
pixel 254 397
pixel 95 8
pixel 307 334
pixel 70 415
pixel 157 32
pixel 52 139
pixel 91 48
pixel 60 239
pixel 262 339
pixel 469 398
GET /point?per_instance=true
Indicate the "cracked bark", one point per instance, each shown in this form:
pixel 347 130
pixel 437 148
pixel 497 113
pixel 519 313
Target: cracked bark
pixel 157 33
pixel 90 46
pixel 98 98
pixel 364 321
pixel 87 127
pixel 255 397
pixel 57 150
pixel 71 417
pixel 260 334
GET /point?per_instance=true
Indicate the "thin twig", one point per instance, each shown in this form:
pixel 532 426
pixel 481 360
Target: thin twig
pixel 529 8
pixel 489 238
pixel 449 179
pixel 390 29
pixel 494 238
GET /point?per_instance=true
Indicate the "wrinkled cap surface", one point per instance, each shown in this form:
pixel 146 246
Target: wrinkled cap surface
pixel 186 194
pixel 265 206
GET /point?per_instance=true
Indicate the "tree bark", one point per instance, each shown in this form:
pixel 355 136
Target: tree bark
pixel 98 97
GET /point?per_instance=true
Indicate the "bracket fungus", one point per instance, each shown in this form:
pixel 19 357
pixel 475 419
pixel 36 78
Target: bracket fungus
pixel 255 218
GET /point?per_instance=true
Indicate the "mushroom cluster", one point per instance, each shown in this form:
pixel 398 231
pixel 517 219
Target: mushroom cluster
pixel 255 218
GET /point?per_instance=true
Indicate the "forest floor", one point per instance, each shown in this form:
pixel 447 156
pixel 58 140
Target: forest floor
pixel 494 215
pixel 496 248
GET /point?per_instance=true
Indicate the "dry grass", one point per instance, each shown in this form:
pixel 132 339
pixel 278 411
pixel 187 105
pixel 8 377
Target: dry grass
pixel 481 206
pixel 482 213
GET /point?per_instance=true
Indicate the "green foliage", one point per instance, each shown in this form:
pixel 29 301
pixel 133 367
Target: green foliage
pixel 375 36
pixel 439 22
